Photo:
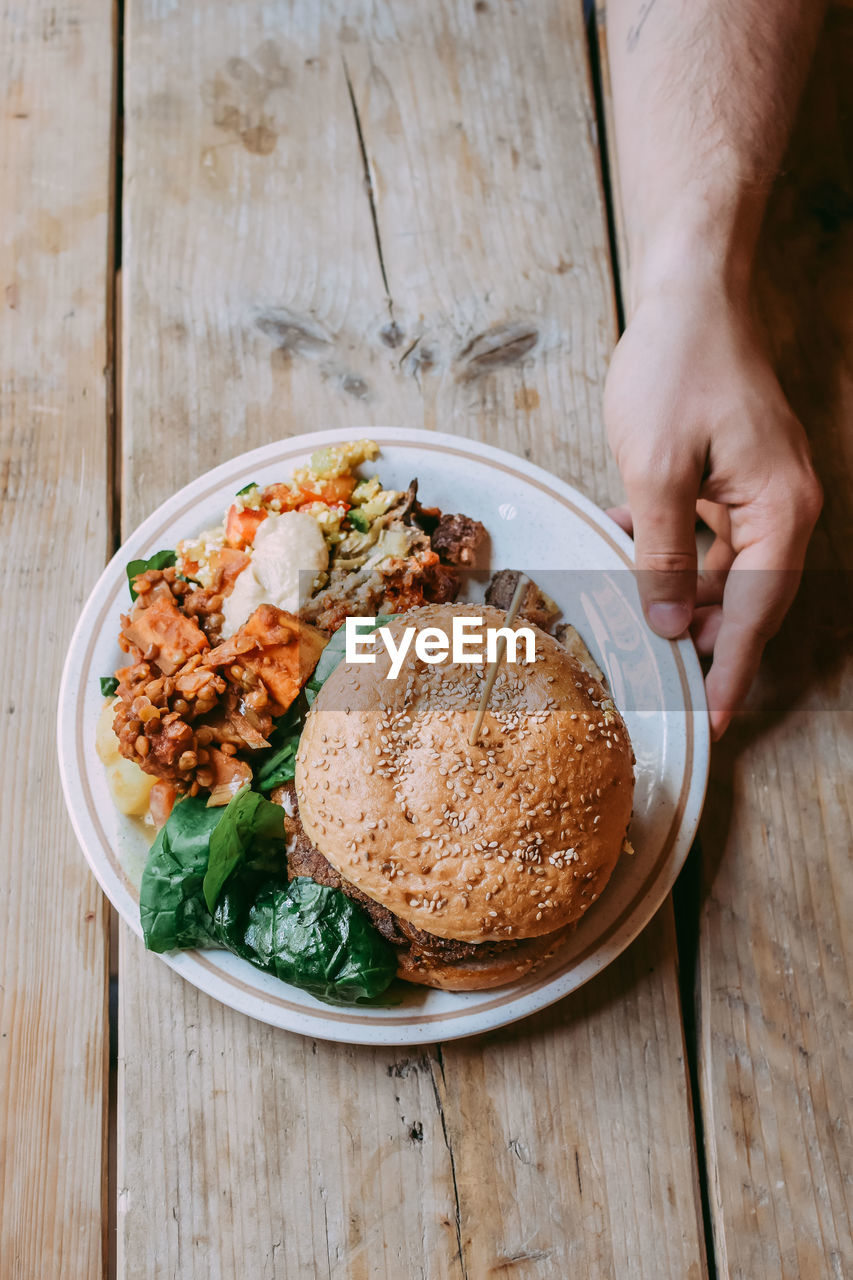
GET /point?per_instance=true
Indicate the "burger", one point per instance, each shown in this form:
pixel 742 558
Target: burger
pixel 474 860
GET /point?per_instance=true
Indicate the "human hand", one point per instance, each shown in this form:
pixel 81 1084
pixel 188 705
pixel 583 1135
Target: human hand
pixel 698 423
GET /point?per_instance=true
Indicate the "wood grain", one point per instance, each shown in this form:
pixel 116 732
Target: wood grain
pixel 607 125
pixel 773 974
pixel 775 956
pixel 345 215
pixel 55 198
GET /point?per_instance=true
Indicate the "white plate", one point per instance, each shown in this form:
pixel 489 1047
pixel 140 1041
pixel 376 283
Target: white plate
pixel 537 523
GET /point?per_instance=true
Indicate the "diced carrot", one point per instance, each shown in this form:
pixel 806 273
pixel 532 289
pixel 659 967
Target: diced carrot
pixel 337 489
pixel 189 568
pixel 287 499
pixel 241 525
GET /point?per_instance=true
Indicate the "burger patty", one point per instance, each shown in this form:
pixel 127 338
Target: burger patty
pixel 305 859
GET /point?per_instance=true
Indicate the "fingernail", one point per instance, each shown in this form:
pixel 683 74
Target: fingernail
pixel 668 618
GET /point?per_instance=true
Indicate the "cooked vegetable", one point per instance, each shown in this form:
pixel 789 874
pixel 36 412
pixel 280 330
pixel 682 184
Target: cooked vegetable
pixel 161 802
pixel 160 560
pixel 249 823
pixel 172 909
pixel 106 742
pixel 331 491
pixel 310 936
pixel 170 635
pixel 279 762
pixel 228 563
pixel 129 786
pixel 365 490
pixel 302 932
pixel 276 648
pixel 216 874
pixel 334 653
pixel 241 525
pixel 278 765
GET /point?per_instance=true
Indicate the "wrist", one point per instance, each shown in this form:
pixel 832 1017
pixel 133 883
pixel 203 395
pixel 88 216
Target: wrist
pixel 698 247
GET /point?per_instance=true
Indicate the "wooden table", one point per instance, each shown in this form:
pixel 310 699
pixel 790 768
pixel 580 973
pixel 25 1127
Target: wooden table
pixel 223 223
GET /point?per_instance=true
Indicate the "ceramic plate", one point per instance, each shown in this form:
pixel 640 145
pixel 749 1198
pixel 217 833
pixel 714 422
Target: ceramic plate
pixel 536 523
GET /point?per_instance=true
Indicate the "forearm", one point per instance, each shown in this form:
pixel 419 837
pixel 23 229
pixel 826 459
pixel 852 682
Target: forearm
pixel 704 96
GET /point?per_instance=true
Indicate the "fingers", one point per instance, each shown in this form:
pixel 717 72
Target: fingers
pixel 716 516
pixel 622 517
pixel 705 628
pixel 759 590
pixel 719 559
pixel 746 624
pixel 715 569
pixel 664 514
pixel 755 601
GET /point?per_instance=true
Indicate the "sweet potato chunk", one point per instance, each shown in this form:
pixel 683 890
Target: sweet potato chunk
pixel 161 802
pixel 163 630
pixel 277 648
pixel 228 772
pixel 228 564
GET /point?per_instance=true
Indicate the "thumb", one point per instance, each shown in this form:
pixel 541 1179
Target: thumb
pixel 664 514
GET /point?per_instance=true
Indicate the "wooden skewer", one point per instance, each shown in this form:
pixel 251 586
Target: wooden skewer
pixel 492 673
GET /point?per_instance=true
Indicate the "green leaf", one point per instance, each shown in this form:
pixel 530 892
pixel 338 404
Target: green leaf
pixel 311 936
pixel 247 826
pixel 253 484
pixel 304 933
pixel 278 762
pixel 108 684
pixel 359 520
pixel 160 560
pixel 334 653
pixel 171 907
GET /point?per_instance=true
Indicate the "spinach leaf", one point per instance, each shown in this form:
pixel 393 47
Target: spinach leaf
pixel 311 936
pixel 171 906
pixel 160 560
pixel 334 653
pixel 108 684
pixel 278 762
pixel 302 932
pixel 249 825
pixel 253 484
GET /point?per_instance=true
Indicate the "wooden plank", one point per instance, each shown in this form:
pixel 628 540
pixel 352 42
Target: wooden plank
pixel 269 289
pixel 56 65
pixel 570 1131
pixel 773 985
pixel 608 125
pixel 775 955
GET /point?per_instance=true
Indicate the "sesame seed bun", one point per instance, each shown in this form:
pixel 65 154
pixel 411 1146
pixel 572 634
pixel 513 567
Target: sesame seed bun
pixel 513 838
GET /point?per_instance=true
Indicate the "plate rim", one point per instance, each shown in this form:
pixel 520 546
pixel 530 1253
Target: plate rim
pixel 195 965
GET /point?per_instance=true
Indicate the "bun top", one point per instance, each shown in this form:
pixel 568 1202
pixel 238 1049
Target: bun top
pixel 511 838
